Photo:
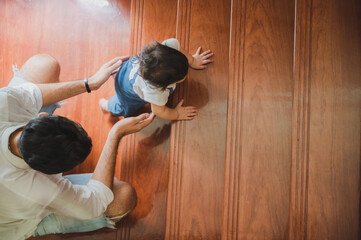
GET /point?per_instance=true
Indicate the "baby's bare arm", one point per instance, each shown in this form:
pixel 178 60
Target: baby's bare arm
pixel 177 113
pixel 198 60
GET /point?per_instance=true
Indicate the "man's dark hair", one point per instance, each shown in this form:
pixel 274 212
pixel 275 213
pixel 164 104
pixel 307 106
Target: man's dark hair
pixel 162 65
pixel 53 144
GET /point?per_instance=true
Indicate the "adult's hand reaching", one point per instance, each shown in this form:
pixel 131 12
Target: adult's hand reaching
pixel 103 74
pixel 58 91
pixel 104 171
pixel 130 125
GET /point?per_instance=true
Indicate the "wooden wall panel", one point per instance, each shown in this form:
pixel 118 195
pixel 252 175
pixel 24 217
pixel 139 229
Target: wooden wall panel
pixel 197 167
pixel 264 148
pixel 234 122
pixel 300 121
pixel 335 98
pixel 177 134
pixel 145 155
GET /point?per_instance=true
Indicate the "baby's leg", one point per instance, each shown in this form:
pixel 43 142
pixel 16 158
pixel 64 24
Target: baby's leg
pixel 112 105
pixel 103 103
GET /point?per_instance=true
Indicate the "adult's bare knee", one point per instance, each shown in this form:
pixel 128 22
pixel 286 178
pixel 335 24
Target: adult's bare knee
pixel 125 199
pixel 41 68
pixel 49 62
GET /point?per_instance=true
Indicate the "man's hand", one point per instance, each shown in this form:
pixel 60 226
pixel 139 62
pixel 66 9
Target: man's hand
pixel 200 60
pixel 186 113
pixel 103 74
pixel 104 171
pixel 130 125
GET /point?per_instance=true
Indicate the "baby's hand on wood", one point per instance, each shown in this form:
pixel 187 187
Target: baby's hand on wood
pixel 186 113
pixel 200 60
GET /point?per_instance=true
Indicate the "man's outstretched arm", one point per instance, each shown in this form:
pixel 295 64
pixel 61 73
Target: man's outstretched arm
pixel 104 171
pixel 55 92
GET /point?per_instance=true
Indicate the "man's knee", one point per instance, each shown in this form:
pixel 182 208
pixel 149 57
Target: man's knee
pixel 48 61
pixel 41 68
pixel 125 199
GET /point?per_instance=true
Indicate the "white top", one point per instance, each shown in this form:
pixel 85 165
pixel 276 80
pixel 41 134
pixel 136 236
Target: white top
pixel 27 196
pixel 148 92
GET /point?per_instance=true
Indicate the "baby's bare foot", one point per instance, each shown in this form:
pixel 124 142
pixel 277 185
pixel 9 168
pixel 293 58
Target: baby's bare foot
pixel 103 103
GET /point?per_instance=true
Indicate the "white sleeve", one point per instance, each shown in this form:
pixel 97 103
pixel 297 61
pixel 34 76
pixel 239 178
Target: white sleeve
pixel 155 96
pixel 172 42
pixel 29 96
pixel 82 201
pixel 23 102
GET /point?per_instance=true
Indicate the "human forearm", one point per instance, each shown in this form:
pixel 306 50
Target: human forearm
pixel 198 60
pixel 188 55
pixel 104 171
pixel 55 92
pixel 177 113
pixel 165 112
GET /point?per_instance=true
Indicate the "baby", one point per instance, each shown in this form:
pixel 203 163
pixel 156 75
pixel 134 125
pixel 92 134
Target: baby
pixel 151 76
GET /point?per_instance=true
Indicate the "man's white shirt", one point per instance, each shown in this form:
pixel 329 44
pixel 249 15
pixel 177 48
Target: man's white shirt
pixel 26 195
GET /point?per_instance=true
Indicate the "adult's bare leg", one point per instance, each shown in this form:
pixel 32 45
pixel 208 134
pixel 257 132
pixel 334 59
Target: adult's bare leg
pixel 125 200
pixel 41 68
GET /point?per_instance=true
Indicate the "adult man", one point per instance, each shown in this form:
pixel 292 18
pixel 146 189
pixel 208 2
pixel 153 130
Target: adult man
pixel 36 148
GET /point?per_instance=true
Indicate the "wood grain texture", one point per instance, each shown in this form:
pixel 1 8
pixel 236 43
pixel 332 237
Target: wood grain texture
pixel 234 122
pixel 128 143
pixel 266 120
pixel 300 121
pixel 275 150
pixel 145 155
pixel 197 167
pixel 335 98
pixel 177 134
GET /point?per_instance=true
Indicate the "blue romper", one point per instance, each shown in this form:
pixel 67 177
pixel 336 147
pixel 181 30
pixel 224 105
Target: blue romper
pixel 133 91
pixel 126 102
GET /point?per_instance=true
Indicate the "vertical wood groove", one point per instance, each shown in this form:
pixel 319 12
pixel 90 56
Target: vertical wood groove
pixel 137 12
pixel 129 142
pixel 258 143
pixel 300 121
pixel 177 141
pixel 234 121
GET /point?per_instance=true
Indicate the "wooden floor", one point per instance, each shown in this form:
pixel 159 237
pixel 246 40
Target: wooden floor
pixel 275 150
